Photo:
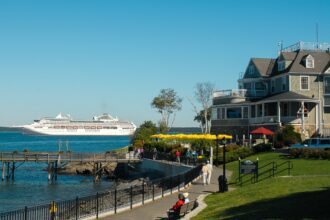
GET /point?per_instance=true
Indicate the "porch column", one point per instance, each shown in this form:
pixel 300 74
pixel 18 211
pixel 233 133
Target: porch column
pixel 256 110
pixel 279 112
pixel 302 118
pixel 317 118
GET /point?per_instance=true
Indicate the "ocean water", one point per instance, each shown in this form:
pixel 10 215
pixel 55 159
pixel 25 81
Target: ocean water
pixel 31 186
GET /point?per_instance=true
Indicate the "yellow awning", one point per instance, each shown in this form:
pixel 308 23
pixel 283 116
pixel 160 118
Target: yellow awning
pixel 192 136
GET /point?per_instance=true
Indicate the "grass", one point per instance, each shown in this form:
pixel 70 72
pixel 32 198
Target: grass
pixel 303 195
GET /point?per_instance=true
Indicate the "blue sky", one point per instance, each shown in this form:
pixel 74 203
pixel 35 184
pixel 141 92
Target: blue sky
pixel 89 57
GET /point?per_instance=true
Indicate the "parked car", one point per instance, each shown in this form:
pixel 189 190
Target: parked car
pixel 314 143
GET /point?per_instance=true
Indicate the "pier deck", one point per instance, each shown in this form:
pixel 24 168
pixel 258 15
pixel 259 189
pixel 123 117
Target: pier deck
pixel 48 157
pixel 12 160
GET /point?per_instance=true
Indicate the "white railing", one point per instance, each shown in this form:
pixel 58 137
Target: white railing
pixel 230 93
pixel 274 119
pixel 314 46
pixel 256 93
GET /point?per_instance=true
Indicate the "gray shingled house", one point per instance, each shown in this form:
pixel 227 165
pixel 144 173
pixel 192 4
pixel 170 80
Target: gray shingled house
pixel 293 88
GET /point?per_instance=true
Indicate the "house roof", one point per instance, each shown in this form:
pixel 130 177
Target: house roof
pixel 288 56
pixel 286 96
pixel 262 64
pixel 321 60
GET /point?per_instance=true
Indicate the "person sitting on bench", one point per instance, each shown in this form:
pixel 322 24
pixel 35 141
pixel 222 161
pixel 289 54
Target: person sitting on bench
pixel 177 205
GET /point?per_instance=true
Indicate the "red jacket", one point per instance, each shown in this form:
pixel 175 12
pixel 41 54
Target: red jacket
pixel 178 153
pixel 178 204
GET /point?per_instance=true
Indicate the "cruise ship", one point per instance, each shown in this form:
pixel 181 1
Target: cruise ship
pixel 104 125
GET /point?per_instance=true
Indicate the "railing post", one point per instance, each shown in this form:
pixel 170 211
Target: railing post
pixel 97 205
pixel 116 200
pixel 153 192
pixel 25 212
pixel 162 187
pixel 171 183
pixel 77 207
pixel 131 197
pixel 142 192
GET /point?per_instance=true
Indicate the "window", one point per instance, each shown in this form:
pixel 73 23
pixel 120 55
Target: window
pixel 218 113
pixel 304 83
pixel 281 65
pixel 223 113
pixel 213 114
pixel 245 112
pixel 324 141
pixel 251 70
pixel 234 113
pixel 259 110
pixel 253 111
pixel 273 85
pixel 310 62
pixel 283 83
pixel 327 85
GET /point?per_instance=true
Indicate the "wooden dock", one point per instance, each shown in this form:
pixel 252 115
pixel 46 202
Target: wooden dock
pixel 12 160
pixel 47 157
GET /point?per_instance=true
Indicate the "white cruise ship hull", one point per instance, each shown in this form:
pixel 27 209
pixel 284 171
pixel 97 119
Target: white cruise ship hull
pixel 104 125
pixel 78 132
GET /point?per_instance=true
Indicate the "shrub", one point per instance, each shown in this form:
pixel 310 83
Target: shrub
pixel 286 136
pixel 310 153
pixel 235 152
pixel 262 148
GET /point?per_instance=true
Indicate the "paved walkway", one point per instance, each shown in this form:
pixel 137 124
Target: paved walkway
pixel 157 209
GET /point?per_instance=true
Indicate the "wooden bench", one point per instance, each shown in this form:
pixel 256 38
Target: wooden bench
pixel 183 210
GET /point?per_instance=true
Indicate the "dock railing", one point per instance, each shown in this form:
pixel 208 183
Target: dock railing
pixel 107 202
pixel 66 156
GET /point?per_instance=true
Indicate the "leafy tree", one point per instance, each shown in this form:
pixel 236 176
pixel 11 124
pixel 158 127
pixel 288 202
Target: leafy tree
pixel 143 133
pixel 203 95
pixel 166 103
pixel 200 118
pixel 287 136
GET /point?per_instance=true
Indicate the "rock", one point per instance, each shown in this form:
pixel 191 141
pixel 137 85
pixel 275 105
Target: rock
pixel 87 169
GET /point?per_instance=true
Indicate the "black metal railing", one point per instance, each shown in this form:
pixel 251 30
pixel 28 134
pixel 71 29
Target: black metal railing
pixel 104 202
pixel 266 171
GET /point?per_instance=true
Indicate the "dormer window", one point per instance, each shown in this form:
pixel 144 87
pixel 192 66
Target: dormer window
pixel 251 70
pixel 309 62
pixel 281 65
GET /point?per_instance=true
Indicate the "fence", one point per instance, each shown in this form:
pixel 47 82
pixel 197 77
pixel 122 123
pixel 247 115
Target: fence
pixel 105 203
pixel 266 171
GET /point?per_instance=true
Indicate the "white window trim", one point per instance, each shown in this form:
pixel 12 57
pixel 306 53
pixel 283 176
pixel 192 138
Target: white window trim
pixel 312 66
pixel 307 83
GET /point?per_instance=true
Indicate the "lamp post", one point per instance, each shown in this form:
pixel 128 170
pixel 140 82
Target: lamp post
pixel 223 187
pixel 217 149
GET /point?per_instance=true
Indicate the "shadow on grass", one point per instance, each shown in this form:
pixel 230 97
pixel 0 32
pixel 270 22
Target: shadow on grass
pixel 311 205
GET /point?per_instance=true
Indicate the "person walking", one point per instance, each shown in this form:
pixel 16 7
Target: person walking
pixel 209 172
pixel 154 154
pixel 205 169
pixel 178 155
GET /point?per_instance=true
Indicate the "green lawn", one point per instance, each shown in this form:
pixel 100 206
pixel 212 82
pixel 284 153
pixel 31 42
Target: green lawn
pixel 303 195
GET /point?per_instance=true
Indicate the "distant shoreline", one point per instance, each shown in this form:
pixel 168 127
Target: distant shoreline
pixel 10 129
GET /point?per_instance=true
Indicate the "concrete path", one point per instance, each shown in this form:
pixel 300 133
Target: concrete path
pixel 158 208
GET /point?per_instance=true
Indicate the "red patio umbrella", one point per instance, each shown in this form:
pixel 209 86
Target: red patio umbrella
pixel 262 130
